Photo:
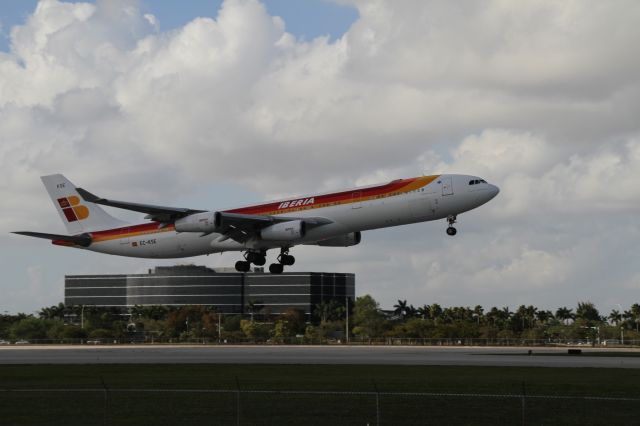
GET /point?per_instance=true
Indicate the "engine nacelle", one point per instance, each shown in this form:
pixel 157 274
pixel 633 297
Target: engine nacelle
pixel 198 222
pixel 346 240
pixel 284 231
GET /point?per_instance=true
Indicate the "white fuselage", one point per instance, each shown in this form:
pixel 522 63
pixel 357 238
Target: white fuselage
pixel 439 197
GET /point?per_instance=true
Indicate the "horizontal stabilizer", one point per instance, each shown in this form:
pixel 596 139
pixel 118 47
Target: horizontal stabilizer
pixel 160 213
pixel 83 240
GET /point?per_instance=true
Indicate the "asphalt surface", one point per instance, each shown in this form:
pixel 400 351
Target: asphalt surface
pixel 391 355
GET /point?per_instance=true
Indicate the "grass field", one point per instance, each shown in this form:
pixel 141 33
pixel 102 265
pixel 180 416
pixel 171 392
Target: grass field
pixel 76 395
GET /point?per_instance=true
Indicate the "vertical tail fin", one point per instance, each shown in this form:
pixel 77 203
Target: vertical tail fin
pixel 77 214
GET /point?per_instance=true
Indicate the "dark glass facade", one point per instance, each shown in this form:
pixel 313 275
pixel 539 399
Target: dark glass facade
pixel 228 292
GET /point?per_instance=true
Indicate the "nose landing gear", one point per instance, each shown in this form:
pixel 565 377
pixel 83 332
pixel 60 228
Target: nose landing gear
pixel 451 219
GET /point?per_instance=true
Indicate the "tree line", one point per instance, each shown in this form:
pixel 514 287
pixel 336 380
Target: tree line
pixel 365 319
pixel 526 322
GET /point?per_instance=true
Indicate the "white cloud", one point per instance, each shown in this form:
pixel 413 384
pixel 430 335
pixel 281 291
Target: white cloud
pixel 540 97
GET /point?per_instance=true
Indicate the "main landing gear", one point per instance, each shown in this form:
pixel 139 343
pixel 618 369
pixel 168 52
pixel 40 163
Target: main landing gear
pixel 451 219
pixel 284 259
pixel 258 258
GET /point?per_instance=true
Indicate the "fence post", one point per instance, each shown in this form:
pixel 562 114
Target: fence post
pixel 106 401
pixel 523 404
pixel 237 402
pixel 375 386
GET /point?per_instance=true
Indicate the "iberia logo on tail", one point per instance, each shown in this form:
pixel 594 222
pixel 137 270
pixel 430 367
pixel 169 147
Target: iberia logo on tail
pixel 72 208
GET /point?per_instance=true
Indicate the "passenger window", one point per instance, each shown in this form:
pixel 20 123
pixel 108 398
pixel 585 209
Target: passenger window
pixel 471 182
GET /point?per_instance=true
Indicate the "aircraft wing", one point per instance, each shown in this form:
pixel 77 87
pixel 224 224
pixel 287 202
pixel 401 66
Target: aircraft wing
pixel 159 213
pixel 80 240
pixel 243 227
pixel 238 227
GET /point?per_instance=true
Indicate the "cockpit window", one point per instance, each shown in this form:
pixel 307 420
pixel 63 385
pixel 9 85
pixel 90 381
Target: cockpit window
pixel 477 181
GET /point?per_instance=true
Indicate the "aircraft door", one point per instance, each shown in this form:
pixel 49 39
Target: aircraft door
pixel 447 186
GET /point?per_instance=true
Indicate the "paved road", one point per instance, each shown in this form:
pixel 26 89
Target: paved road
pixel 394 355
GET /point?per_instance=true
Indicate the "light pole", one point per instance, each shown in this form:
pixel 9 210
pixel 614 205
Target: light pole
pixel 347 321
pixel 82 317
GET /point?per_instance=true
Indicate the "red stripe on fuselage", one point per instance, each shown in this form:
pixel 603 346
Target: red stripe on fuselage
pixel 129 231
pixel 395 187
pixel 355 194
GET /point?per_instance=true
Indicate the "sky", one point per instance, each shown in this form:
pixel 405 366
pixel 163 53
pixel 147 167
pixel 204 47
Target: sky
pixel 223 103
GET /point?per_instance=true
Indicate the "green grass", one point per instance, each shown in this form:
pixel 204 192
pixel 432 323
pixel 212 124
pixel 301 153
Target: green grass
pixel 168 408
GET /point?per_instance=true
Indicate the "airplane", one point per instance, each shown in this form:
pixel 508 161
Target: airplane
pixel 334 219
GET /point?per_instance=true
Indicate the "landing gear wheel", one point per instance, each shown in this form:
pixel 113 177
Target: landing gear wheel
pixel 286 259
pixel 276 268
pixel 451 219
pixel 256 258
pixel 243 266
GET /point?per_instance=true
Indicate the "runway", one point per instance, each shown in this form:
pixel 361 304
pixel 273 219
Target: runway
pixel 263 354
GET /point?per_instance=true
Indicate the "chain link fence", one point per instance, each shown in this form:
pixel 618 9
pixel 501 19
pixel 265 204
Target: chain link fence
pixel 387 341
pixel 107 406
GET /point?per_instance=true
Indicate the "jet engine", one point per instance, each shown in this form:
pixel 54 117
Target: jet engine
pixel 346 240
pixel 284 231
pixel 198 222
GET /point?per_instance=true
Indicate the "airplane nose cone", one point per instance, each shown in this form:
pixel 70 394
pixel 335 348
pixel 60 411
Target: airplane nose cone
pixel 493 190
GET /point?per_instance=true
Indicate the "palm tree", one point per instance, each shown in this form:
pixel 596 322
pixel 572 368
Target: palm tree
pixel 587 311
pixel 531 312
pixel 424 311
pixel 400 308
pixel 412 312
pixel 478 313
pixel 565 314
pixel 493 315
pixel 544 316
pixel 634 314
pixel 506 313
pixel 448 315
pixel 615 316
pixel 522 317
pixel 435 312
pixel 55 311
